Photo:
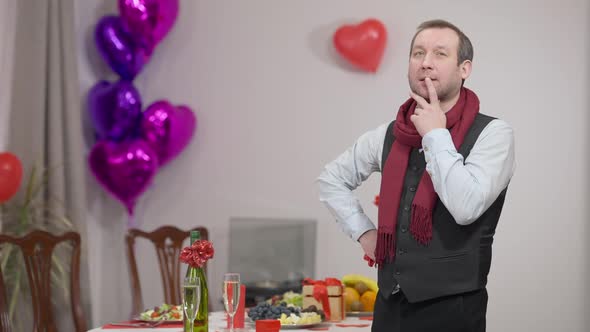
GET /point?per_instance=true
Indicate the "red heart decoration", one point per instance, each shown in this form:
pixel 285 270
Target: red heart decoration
pixel 363 44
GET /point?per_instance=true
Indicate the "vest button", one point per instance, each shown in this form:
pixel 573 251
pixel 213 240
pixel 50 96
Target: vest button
pixel 407 208
pixel 397 273
pixel 401 251
pixel 414 168
pixel 404 229
pixel 412 189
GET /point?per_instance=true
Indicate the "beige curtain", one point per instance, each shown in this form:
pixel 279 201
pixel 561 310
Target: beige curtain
pixel 45 112
pixel 7 32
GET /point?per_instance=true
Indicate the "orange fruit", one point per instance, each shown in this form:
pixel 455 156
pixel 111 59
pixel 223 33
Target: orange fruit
pixel 350 295
pixel 368 300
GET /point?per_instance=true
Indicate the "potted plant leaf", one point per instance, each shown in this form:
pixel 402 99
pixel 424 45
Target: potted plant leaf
pixel 34 208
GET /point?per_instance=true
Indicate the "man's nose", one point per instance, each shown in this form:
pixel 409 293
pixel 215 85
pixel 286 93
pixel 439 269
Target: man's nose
pixel 427 61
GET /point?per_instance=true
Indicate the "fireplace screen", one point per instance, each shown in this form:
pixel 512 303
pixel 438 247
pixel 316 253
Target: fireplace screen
pixel 272 255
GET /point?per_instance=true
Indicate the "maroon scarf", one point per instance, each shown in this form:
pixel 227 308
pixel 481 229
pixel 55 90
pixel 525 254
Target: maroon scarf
pixel 459 119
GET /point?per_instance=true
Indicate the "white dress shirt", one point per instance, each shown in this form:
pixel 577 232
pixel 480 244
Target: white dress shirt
pixel 467 187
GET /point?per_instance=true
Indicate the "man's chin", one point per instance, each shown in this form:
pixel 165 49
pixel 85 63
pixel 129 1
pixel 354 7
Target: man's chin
pixel 421 92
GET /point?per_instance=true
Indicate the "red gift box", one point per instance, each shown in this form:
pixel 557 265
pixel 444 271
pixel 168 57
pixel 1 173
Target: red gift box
pixel 326 295
pixel 268 325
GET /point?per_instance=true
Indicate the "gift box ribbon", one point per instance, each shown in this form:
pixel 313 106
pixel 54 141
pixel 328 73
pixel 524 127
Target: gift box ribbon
pixel 320 291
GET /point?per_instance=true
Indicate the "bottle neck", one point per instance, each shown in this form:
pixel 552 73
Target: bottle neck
pixel 195 272
pixel 194 239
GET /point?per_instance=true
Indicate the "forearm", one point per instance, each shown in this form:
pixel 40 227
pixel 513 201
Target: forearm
pixel 467 188
pixel 458 189
pixel 344 206
pixel 344 174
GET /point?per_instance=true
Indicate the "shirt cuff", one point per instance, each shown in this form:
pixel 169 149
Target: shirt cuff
pixel 358 225
pixel 435 141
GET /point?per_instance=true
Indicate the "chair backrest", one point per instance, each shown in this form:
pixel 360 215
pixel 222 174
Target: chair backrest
pixel 37 250
pixel 168 241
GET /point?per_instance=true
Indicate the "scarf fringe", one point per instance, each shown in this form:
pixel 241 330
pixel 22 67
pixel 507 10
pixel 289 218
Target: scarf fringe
pixel 421 224
pixel 385 251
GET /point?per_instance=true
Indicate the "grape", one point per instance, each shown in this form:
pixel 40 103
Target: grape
pixel 265 310
pixel 262 310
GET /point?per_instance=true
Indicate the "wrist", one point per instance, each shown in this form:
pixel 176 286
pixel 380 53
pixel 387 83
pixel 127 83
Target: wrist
pixel 437 140
pixel 366 236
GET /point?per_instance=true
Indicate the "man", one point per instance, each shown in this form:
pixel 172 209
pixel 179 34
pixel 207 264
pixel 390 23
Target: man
pixel 445 169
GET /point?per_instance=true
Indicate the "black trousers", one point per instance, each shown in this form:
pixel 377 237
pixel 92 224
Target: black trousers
pixel 455 313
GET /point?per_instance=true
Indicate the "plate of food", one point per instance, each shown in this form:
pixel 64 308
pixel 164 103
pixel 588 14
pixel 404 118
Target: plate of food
pixel 165 312
pixel 298 326
pixel 302 320
pixel 290 316
pixel 294 322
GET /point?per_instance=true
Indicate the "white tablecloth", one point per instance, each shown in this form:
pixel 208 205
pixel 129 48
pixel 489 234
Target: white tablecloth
pixel 217 323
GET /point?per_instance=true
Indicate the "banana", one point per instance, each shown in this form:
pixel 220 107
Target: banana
pixel 351 279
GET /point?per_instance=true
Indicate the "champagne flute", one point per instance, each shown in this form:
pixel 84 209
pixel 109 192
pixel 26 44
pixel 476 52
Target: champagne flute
pixel 191 298
pixel 231 296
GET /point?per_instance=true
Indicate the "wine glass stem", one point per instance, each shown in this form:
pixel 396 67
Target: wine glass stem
pixel 191 325
pixel 231 322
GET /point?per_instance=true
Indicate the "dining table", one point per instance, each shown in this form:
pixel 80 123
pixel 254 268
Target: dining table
pixel 218 323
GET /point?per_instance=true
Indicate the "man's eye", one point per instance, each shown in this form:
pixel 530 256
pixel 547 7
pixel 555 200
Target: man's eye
pixel 418 53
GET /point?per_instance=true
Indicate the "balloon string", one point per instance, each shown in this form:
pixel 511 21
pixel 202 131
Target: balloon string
pixel 131 222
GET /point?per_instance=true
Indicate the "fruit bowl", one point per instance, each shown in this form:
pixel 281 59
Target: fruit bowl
pixel 359 314
pixel 360 293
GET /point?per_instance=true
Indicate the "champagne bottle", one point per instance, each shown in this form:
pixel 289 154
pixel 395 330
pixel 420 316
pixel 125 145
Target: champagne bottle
pixel 201 323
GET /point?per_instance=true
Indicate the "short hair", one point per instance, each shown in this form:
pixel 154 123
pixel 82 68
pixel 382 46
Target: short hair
pixel 465 49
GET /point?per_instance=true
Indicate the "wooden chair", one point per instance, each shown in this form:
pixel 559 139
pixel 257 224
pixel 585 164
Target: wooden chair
pixel 168 242
pixel 37 250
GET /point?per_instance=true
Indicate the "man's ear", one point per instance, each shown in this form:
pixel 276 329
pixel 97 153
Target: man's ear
pixel 465 68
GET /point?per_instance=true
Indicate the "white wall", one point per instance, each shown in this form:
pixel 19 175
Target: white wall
pixel 274 105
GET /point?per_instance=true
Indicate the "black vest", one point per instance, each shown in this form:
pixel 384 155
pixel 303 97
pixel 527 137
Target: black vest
pixel 458 257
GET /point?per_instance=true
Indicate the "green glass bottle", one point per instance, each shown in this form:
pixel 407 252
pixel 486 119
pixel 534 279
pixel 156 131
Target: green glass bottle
pixel 202 319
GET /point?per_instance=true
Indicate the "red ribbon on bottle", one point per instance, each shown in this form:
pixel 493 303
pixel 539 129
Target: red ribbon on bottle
pixel 320 291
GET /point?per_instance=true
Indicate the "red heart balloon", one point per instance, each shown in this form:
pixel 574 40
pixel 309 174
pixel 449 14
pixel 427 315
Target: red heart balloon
pixel 363 44
pixel 11 173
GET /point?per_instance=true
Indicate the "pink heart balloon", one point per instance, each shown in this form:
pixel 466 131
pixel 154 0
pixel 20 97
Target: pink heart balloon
pixel 149 20
pixel 168 129
pixel 124 169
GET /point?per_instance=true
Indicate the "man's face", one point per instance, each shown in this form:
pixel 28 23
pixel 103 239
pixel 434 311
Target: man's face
pixel 434 55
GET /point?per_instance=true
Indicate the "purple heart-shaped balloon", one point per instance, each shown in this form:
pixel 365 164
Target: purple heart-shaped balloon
pixel 124 169
pixel 149 21
pixel 116 45
pixel 115 109
pixel 167 129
